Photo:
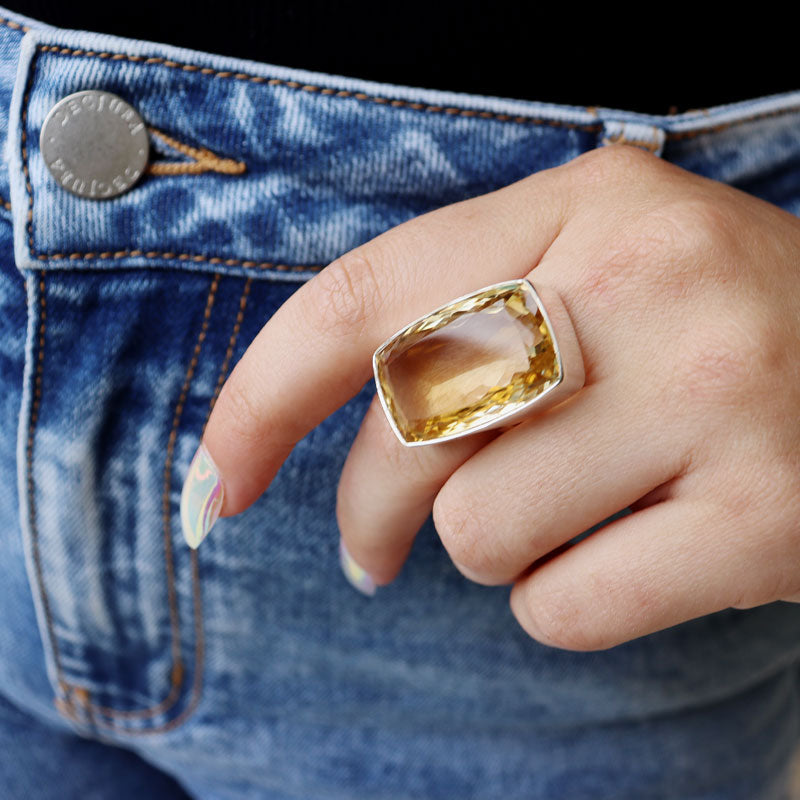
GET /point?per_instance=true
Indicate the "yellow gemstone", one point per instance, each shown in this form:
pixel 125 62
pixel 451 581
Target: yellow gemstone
pixel 468 363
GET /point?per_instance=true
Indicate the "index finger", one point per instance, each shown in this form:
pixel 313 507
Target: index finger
pixel 315 352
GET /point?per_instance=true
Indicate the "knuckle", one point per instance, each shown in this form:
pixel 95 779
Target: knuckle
pixel 629 261
pixel 666 250
pixel 698 225
pixel 457 521
pixel 562 624
pixel 675 252
pixel 766 503
pixel 588 617
pixel 613 162
pixel 760 592
pixel 639 259
pixel 348 293
pixel 782 492
pixel 768 576
pixel 723 360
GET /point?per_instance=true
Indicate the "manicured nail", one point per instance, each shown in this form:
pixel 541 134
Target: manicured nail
pixel 201 498
pixel 358 577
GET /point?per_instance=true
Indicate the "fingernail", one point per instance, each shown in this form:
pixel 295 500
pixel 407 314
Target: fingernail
pixel 201 498
pixel 358 577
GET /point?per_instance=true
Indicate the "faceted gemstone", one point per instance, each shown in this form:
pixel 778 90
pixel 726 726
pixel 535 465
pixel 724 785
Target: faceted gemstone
pixel 470 362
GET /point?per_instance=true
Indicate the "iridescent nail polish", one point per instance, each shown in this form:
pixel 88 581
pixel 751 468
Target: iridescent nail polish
pixel 201 498
pixel 357 576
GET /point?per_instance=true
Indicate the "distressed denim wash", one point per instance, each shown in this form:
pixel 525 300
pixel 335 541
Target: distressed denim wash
pixel 134 667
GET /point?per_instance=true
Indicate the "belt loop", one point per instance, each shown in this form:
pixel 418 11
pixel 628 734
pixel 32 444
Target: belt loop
pixel 638 134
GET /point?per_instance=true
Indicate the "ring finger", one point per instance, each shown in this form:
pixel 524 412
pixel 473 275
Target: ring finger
pixel 386 491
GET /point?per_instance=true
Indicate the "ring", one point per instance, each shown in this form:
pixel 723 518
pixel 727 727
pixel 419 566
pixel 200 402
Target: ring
pixel 488 359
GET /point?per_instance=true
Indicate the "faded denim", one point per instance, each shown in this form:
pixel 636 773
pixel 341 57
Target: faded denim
pixel 132 666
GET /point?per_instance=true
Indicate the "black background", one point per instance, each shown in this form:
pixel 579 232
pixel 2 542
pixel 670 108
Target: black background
pixel 655 59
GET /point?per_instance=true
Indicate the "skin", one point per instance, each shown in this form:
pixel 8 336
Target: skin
pixel 684 294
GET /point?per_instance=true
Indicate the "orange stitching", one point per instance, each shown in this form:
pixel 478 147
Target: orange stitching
pixel 198 609
pixel 15 25
pixel 418 106
pixel 182 168
pixel 199 661
pixel 248 264
pixel 199 259
pixel 204 160
pixel 243 76
pixel 520 119
pixel 34 528
pixel 177 672
pixel 6 205
pixel 231 344
pixel 166 507
pixel 68 706
pixel 150 254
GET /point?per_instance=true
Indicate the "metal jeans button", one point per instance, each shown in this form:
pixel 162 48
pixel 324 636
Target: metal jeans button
pixel 94 144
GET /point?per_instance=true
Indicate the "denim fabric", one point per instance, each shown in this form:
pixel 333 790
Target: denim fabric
pixel 250 668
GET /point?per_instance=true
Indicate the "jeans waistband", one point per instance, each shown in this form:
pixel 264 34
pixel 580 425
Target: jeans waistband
pixel 270 171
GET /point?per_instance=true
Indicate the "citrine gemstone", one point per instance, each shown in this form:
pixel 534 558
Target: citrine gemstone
pixel 468 363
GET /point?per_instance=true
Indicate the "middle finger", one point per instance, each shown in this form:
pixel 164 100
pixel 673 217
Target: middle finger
pixel 553 477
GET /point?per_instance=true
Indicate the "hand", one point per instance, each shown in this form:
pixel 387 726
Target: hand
pixel 684 294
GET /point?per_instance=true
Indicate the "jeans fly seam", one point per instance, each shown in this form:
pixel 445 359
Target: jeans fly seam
pixel 198 610
pixel 177 672
pixel 223 371
pixel 196 683
pixel 31 494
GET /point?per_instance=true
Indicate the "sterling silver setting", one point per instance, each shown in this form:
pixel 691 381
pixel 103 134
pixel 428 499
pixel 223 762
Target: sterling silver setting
pixel 565 345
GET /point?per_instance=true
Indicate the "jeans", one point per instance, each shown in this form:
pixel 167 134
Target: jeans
pixel 132 666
